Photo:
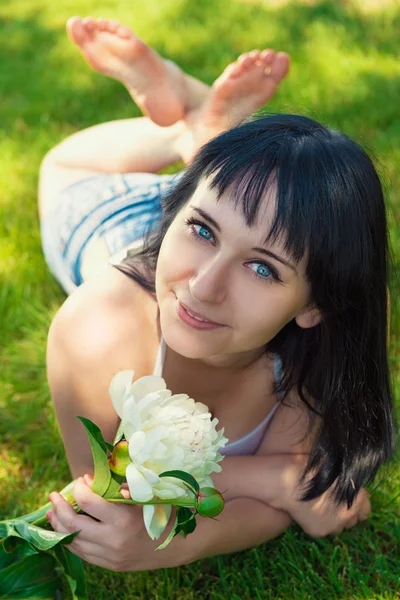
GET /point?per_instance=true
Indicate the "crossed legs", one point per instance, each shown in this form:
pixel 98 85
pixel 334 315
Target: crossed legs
pixel 182 112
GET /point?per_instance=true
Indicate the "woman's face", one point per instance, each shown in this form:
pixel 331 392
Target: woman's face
pixel 219 267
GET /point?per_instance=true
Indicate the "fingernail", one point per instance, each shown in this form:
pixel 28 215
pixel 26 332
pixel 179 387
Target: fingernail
pixel 52 497
pixel 88 479
pixel 49 515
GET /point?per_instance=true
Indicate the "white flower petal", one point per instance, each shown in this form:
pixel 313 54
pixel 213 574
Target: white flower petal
pixel 137 442
pixel 147 384
pixel 151 477
pixel 118 389
pixel 139 487
pixel 201 408
pixel 131 419
pixel 156 517
pixel 150 401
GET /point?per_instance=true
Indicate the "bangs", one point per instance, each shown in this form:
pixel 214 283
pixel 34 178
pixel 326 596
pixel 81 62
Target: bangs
pixel 317 177
pixel 247 175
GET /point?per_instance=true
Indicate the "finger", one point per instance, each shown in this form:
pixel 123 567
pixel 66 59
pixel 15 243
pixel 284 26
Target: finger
pixel 87 550
pixel 55 523
pixel 351 522
pixel 95 505
pixel 106 512
pixel 365 511
pixel 125 493
pixel 362 505
pixel 68 521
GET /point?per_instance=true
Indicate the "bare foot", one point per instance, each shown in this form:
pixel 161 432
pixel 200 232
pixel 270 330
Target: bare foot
pixel 156 85
pixel 244 86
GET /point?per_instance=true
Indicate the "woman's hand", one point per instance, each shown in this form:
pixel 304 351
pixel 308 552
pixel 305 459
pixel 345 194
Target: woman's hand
pixel 322 516
pixel 116 540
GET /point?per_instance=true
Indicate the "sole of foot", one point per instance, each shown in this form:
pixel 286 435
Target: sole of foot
pixel 156 85
pixel 246 85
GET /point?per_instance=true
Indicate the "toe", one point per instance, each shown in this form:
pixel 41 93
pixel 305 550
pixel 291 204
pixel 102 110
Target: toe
pixel 267 56
pixel 89 24
pixel 233 70
pixel 102 24
pixel 112 26
pixel 124 32
pixel 280 66
pixel 254 55
pixel 245 61
pixel 76 30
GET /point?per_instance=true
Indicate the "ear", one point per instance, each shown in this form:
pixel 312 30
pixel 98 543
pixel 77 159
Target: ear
pixel 309 317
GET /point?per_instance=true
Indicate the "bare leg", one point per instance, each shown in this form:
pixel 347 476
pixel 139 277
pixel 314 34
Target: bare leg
pixel 125 146
pixel 163 91
pixel 140 145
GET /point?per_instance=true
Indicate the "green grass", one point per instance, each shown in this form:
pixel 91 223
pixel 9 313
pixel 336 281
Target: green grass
pixel 346 74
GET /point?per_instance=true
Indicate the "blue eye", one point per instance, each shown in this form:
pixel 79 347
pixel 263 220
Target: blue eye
pixel 263 271
pixel 206 231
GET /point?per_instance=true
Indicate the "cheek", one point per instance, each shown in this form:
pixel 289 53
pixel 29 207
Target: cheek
pixel 266 314
pixel 176 259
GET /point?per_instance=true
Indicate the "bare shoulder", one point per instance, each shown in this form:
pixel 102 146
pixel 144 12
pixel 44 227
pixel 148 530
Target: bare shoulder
pixel 102 328
pixel 288 432
pixel 109 312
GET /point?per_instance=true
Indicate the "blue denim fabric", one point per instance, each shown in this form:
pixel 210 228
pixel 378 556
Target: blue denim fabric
pixel 117 208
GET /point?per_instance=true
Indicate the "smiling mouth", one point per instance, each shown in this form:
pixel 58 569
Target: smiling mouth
pixel 192 318
pixel 196 316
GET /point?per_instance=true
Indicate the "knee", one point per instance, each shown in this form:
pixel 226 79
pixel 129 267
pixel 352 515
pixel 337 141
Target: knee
pixel 49 160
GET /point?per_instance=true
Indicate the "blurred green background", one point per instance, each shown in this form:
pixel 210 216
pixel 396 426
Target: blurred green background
pixel 345 73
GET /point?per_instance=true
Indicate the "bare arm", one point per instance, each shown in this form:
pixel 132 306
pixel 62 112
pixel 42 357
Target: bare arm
pixel 89 341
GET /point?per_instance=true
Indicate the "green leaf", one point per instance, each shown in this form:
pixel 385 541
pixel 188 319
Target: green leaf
pixel 42 539
pixel 114 487
pixel 6 528
pixel 186 477
pixel 186 521
pixel 170 537
pixel 39 538
pixel 73 569
pixel 102 474
pixel 109 446
pixel 32 577
pixel 95 431
pixel 36 514
pixel 14 549
pixel 120 434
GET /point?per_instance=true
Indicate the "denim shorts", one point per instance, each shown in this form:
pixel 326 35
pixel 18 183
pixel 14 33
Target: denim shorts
pixel 119 209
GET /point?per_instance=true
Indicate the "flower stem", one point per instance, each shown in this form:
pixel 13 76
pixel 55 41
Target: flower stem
pixel 173 501
pixel 38 516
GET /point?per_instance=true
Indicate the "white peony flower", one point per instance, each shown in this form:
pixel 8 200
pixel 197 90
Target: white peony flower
pixel 165 432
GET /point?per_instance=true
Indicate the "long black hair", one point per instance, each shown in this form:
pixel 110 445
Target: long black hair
pixel 330 205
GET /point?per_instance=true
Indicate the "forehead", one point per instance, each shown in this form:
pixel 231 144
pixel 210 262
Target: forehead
pixel 229 209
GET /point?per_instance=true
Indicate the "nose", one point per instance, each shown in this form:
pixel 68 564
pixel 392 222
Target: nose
pixel 209 284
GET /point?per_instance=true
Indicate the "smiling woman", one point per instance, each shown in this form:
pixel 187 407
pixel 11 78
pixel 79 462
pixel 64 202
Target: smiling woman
pixel 312 196
pixel 223 279
pixel 254 281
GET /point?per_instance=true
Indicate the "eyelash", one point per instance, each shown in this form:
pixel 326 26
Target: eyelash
pixel 191 221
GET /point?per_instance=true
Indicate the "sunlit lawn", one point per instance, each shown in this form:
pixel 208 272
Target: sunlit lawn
pixel 346 74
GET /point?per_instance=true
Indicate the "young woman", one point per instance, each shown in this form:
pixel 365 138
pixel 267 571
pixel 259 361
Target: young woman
pixel 261 291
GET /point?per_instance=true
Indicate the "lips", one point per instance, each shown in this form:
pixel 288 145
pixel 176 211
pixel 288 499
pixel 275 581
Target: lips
pixel 197 314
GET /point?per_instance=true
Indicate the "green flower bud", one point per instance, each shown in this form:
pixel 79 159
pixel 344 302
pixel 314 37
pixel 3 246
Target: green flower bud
pixel 210 502
pixel 120 458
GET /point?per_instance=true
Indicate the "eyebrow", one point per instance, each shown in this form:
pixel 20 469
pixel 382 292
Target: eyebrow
pixel 208 218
